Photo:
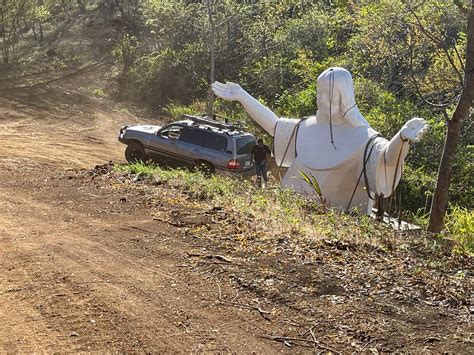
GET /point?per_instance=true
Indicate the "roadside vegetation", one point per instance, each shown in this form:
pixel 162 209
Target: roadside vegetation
pixel 406 59
pixel 277 50
pixel 282 211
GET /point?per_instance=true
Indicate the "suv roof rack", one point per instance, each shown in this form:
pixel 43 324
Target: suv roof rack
pixel 211 121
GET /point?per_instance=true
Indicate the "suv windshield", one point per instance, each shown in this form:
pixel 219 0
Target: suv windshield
pixel 245 145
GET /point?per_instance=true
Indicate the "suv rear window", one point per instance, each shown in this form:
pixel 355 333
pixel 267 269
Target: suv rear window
pixel 214 141
pixel 245 145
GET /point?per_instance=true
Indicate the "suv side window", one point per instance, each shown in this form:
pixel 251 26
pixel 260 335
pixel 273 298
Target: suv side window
pixel 192 136
pixel 172 132
pixel 214 141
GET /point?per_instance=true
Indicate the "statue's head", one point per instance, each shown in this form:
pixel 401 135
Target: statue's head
pixel 335 97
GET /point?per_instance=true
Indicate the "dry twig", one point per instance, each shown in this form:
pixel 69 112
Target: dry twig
pixel 313 341
pixel 219 257
pixel 263 313
pixel 316 342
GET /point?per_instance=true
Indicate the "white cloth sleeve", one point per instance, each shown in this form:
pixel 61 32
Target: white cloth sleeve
pixel 284 141
pixel 380 175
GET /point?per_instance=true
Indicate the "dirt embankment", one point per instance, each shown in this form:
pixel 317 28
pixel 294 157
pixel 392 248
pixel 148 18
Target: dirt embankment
pixel 91 260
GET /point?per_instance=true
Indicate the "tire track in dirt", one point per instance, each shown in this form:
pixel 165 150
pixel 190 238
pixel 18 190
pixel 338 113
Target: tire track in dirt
pixel 80 271
pixel 96 294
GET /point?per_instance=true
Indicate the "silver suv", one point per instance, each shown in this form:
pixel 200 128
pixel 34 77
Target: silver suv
pixel 197 141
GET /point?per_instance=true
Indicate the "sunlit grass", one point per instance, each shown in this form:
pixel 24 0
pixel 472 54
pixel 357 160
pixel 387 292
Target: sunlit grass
pixel 276 210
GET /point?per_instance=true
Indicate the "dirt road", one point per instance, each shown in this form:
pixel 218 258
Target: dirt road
pixel 84 266
pixel 81 270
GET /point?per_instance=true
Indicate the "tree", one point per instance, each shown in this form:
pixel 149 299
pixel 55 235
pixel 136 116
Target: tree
pixel 10 15
pixel 212 52
pixel 462 112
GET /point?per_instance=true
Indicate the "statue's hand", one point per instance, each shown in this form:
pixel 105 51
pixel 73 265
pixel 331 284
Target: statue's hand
pixel 414 129
pixel 228 91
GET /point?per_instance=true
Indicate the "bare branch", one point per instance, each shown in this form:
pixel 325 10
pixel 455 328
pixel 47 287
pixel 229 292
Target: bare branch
pixel 433 37
pixel 301 340
pixel 458 55
pixel 223 22
pixel 412 78
pixel 453 64
pixel 440 43
pixel 425 100
pixel 263 313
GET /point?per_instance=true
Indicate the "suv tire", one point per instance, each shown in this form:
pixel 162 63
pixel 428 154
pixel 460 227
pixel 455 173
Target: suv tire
pixel 135 152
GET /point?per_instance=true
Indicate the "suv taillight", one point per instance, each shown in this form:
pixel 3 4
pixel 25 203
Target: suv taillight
pixel 233 164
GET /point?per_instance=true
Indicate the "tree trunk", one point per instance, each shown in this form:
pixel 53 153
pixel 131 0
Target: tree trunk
pixel 41 33
pixel 212 50
pixel 4 40
pixel 40 24
pixel 34 31
pixel 439 204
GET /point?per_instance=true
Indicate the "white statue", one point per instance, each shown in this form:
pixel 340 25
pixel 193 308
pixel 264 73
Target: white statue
pixel 331 146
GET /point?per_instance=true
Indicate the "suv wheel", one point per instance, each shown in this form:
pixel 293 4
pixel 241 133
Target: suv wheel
pixel 135 152
pixel 205 167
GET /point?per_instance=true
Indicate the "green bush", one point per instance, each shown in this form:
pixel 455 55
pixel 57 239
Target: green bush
pixel 460 226
pixel 177 111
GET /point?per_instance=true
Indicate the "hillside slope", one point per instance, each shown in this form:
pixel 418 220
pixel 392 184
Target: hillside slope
pixel 76 270
pixel 93 259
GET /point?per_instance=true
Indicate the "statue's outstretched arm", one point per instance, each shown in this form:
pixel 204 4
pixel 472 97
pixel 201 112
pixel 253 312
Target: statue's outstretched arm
pixel 412 131
pixel 260 113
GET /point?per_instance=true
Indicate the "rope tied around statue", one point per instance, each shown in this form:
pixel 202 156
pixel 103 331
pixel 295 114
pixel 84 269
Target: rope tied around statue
pixel 377 197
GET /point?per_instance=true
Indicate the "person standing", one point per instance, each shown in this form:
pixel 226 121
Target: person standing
pixel 259 155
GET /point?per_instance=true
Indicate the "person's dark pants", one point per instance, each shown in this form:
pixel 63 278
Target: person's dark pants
pixel 261 170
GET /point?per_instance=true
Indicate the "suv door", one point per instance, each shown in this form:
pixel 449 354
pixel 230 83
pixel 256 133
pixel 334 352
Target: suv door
pixel 163 144
pixel 189 145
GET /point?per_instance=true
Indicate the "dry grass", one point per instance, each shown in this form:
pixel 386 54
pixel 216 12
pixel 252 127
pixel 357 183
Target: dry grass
pixel 274 211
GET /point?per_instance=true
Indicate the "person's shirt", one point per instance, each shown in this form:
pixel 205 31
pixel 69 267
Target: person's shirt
pixel 260 153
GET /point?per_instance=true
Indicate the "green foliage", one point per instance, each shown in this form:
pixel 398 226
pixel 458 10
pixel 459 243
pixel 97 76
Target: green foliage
pixel 99 92
pixel 377 47
pixel 313 183
pixel 416 189
pixel 140 168
pixel 195 184
pixel 298 103
pixel 384 111
pixel 460 226
pixel 177 111
pixel 277 52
